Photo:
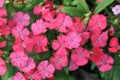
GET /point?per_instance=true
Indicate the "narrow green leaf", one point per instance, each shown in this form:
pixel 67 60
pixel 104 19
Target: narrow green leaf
pixel 72 11
pixel 82 5
pixel 93 66
pixel 102 5
pixel 32 4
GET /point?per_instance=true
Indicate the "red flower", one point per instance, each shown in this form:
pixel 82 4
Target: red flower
pixel 114 45
pixel 40 43
pixel 96 54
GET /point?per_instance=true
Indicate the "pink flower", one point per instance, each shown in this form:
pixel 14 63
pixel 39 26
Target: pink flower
pixel 72 40
pixel 85 36
pixel 38 10
pixel 73 66
pixel 97 21
pixel 2 3
pixel 2 44
pixel 78 26
pixel 40 43
pixel 105 63
pixel 20 31
pixel 8 28
pixel 30 65
pixel 46 70
pixel 63 22
pixel 18 58
pixel 33 76
pixel 99 40
pixel 23 45
pixel 114 45
pixel 39 27
pixel 59 44
pixel 21 18
pixel 48 15
pixel 18 76
pixel 3 14
pixel 99 1
pixel 3 67
pixel 59 60
pixel 80 56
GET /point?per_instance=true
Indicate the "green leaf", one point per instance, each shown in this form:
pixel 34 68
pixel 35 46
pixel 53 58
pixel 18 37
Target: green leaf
pixel 82 5
pixel 66 69
pixel 102 5
pixel 32 4
pixel 93 66
pixel 10 72
pixel 73 11
pixel 61 75
pixel 116 75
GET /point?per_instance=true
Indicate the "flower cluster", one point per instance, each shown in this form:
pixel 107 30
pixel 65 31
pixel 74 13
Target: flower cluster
pixel 71 41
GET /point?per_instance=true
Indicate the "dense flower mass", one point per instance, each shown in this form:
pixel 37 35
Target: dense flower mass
pixel 40 43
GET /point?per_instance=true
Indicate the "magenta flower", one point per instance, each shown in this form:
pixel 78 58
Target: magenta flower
pixel 21 18
pixel 46 70
pixel 18 76
pixel 80 56
pixel 105 63
pixel 18 58
pixel 30 65
pixel 3 67
pixel 116 10
pixel 38 27
pixel 72 40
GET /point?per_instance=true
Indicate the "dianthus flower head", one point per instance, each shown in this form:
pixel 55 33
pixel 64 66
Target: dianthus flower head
pixel 59 60
pixel 105 63
pixel 114 45
pixel 99 39
pixel 46 69
pixel 72 40
pixel 80 56
pixel 40 43
pixel 30 65
pixel 39 27
pixel 21 18
pixel 63 22
pixel 18 76
pixel 97 21
pixel 18 58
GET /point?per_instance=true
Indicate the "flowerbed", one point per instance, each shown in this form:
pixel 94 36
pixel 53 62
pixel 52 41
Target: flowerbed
pixel 57 40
